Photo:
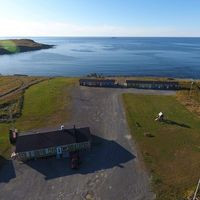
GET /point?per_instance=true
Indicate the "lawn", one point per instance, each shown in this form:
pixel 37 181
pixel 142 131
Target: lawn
pixel 14 86
pixel 46 104
pixel 190 98
pixel 10 83
pixel 171 149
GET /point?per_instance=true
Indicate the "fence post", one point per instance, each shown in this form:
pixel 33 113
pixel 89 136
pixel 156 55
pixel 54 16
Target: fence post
pixel 196 191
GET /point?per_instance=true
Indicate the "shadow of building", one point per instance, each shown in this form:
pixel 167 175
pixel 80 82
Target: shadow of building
pixel 104 154
pixel 7 170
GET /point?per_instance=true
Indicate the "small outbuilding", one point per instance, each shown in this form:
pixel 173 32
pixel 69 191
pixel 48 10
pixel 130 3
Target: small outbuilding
pixel 57 143
pixel 160 85
pixel 97 82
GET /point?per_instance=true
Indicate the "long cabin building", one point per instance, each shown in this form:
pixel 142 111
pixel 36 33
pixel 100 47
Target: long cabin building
pixel 57 143
pixel 97 82
pixel 160 85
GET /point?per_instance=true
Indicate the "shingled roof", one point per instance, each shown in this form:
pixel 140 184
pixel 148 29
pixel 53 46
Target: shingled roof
pixel 36 141
pixel 152 82
pixel 97 80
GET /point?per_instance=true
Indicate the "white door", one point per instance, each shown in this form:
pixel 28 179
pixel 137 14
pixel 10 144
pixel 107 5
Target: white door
pixel 59 150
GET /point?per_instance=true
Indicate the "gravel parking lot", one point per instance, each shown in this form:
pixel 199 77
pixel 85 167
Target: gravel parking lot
pixel 111 170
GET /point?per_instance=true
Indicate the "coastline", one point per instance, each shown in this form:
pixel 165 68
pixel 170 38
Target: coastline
pixel 13 46
pixel 152 57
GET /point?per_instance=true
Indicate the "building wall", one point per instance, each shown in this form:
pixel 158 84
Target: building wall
pixel 152 86
pixel 52 151
pixel 97 84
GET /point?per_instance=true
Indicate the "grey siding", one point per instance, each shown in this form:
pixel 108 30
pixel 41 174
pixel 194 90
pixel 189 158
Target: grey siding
pixel 52 151
pixel 165 86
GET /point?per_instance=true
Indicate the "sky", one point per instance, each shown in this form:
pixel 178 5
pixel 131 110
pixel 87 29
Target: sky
pixel 178 18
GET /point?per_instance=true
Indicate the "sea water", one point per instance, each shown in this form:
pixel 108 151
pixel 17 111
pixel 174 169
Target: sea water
pixel 129 56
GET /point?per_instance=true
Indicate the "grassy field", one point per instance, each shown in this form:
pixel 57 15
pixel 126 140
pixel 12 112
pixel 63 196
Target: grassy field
pixel 171 149
pixel 46 104
pixel 191 98
pixel 10 108
pixel 9 83
pixel 11 95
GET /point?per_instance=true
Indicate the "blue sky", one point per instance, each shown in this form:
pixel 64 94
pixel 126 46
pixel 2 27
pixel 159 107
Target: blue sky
pixel 100 17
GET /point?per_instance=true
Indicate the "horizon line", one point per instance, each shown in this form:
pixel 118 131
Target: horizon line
pixel 105 36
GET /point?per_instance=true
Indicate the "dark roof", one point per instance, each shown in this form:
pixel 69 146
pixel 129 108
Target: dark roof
pixel 97 80
pixel 151 82
pixel 36 141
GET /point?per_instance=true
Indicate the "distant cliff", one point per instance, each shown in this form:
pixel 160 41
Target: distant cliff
pixel 21 45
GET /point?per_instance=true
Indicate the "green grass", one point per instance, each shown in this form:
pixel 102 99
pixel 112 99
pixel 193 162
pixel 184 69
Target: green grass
pixel 10 108
pixel 12 104
pixel 190 98
pixel 172 155
pixel 46 104
pixel 9 45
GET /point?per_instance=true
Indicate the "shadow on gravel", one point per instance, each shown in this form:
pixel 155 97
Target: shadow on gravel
pixel 104 154
pixel 7 171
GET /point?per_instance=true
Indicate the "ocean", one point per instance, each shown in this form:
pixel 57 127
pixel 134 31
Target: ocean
pixel 113 56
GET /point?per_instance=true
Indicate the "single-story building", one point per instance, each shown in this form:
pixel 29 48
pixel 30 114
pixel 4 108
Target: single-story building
pixel 57 143
pixel 162 85
pixel 97 82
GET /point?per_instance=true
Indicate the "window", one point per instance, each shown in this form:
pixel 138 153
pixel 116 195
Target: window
pixel 32 154
pixel 46 151
pixel 66 148
pixel 51 150
pixel 27 154
pixel 41 152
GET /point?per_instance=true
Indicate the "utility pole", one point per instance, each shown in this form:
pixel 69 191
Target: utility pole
pixel 11 116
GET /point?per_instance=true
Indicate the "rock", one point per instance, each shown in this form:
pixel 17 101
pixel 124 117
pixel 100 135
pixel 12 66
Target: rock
pixel 147 134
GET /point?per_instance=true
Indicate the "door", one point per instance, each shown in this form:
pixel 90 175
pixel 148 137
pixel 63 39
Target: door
pixel 59 150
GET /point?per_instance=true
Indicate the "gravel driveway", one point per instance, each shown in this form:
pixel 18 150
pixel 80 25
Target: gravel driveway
pixel 110 171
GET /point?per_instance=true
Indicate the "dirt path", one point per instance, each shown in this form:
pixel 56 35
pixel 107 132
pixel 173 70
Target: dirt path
pixel 111 171
pixel 21 88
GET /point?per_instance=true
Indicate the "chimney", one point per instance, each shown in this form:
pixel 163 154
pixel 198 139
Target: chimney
pixel 13 134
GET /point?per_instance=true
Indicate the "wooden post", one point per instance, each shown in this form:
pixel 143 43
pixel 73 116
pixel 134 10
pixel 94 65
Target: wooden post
pixel 196 191
pixel 191 89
